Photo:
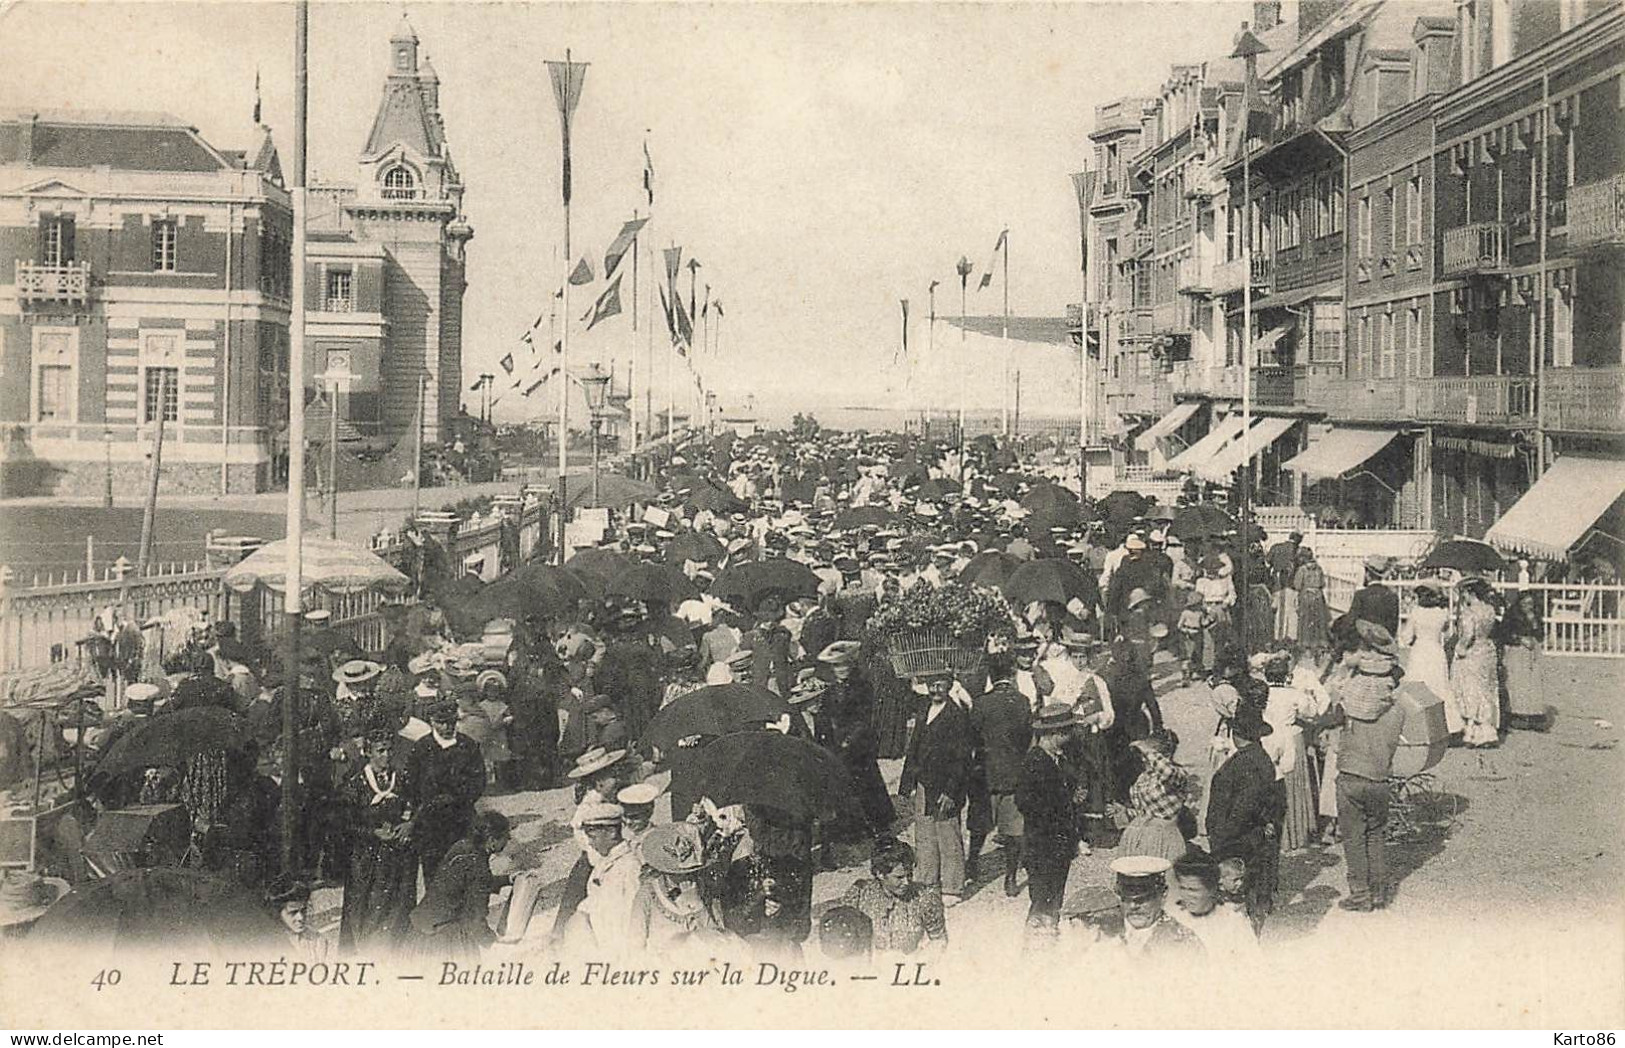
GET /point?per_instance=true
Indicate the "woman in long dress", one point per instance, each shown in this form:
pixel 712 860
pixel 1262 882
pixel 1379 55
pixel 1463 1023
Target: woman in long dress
pixel 381 880
pixel 1314 632
pixel 1523 633
pixel 1285 745
pixel 1474 675
pixel 1423 636
pixel 1157 800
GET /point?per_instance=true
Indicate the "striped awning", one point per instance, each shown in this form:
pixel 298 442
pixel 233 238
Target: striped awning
pixel 1561 508
pixel 1199 452
pixel 1339 451
pixel 1229 458
pixel 1167 425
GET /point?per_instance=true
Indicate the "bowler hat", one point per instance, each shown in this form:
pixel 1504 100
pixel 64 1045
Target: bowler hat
pixel 1056 716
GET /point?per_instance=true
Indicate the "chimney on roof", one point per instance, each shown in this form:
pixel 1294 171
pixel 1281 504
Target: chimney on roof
pixel 1266 15
pixel 26 146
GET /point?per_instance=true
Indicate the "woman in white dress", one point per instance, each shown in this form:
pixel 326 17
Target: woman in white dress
pixel 1285 745
pixel 1423 636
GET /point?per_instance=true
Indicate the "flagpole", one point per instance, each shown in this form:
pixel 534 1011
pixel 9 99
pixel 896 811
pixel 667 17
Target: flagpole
pixel 930 355
pixel 631 370
pixel 1083 361
pixel 965 268
pixel 1242 547
pixel 1004 333
pixel 294 569
pixel 671 383
pixel 567 94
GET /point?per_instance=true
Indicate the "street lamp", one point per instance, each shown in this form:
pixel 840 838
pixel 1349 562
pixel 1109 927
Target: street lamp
pixel 595 383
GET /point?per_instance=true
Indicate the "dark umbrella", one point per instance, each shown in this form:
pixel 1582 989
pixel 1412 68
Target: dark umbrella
pixel 1054 505
pixel 716 710
pixel 660 582
pixel 1468 556
pixel 991 568
pixel 865 516
pixel 1052 580
pixel 694 545
pixel 503 599
pixel 165 904
pixel 602 564
pixel 169 740
pixel 714 500
pixel 460 588
pixel 1006 483
pixel 556 590
pixel 934 489
pixel 1123 506
pixel 1200 521
pixel 747 584
pixel 775 771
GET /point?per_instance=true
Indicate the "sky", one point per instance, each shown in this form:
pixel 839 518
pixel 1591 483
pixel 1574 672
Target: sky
pixel 822 161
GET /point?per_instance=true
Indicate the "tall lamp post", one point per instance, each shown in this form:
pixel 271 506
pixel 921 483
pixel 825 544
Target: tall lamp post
pixel 334 381
pixel 595 383
pixel 964 269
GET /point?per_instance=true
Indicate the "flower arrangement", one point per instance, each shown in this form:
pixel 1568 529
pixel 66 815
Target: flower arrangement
pixel 966 613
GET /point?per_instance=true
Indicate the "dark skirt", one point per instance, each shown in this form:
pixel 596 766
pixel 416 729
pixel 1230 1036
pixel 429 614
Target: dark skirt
pixel 894 704
pixel 380 890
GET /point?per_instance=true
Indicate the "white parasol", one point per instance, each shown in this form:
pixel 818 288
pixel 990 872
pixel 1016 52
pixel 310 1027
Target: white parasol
pixel 329 564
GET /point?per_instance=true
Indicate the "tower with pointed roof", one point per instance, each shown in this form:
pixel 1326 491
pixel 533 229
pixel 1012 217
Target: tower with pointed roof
pixel 386 262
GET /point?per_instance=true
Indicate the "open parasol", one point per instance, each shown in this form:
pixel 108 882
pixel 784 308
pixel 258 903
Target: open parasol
pixel 865 516
pixel 694 545
pixel 990 569
pixel 1123 505
pixel 746 584
pixel 1054 502
pixel 775 771
pixel 1051 580
pixel 329 564
pixel 1468 556
pixel 1202 520
pixel 716 710
pixel 169 740
pixel 660 582
pixel 601 564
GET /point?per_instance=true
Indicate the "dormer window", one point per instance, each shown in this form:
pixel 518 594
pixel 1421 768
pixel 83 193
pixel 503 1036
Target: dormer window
pixel 400 184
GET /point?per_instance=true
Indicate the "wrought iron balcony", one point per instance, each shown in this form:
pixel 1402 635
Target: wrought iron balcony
pixel 1359 399
pixel 40 284
pixel 1480 247
pixel 1192 280
pixel 1597 213
pixel 1585 400
pixel 1485 399
pixel 1263 271
pixel 1275 386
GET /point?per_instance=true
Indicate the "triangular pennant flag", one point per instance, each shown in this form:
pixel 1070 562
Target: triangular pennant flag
pixel 507 364
pixel 582 274
pixel 608 304
pixel 621 244
pixel 648 174
pixel 665 306
pixel 567 79
pixel 717 307
pixel 987 278
pixel 685 326
pixel 674 263
pixel 905 327
pixel 475 388
pixel 1003 241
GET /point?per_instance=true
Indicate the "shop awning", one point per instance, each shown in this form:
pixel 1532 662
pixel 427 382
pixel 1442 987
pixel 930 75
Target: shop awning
pixel 1265 343
pixel 1299 295
pixel 1167 425
pixel 1555 514
pixel 1338 452
pixel 1265 432
pixel 1216 438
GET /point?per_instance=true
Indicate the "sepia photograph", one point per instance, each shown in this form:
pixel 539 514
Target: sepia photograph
pixel 661 515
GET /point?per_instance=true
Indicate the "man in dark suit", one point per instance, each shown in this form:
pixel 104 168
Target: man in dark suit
pixel 1002 720
pixel 1375 602
pixel 445 775
pixel 807 718
pixel 1246 806
pixel 1050 830
pixel 936 773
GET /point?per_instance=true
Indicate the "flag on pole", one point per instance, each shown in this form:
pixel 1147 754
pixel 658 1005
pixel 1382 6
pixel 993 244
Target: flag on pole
pixel 999 245
pixel 677 322
pixel 716 307
pixel 507 364
pixel 608 304
pixel 582 274
pixel 475 388
pixel 648 174
pixel 674 264
pixel 567 77
pixel 705 308
pixel 905 327
pixel 1084 183
pixel 622 244
pixel 256 95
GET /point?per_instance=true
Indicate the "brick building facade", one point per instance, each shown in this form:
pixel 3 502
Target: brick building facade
pixel 145 275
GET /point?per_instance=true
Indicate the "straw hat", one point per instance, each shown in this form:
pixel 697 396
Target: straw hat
pixel 357 671
pixel 594 761
pixel 25 896
pixel 674 848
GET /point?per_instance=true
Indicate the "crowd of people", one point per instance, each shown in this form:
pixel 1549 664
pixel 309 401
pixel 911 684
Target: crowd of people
pixel 1050 746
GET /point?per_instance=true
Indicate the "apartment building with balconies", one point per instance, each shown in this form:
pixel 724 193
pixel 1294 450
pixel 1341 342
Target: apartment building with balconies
pixel 144 278
pixel 1529 255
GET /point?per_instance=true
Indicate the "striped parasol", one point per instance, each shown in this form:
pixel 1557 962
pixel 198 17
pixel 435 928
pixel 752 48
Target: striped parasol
pixel 329 564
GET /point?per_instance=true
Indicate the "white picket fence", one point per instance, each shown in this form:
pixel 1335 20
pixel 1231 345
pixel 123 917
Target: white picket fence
pixel 1582 619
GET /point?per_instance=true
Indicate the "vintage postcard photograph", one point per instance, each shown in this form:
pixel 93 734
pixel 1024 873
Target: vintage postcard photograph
pixel 803 515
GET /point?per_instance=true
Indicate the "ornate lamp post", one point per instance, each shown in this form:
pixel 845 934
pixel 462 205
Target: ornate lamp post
pixel 595 383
